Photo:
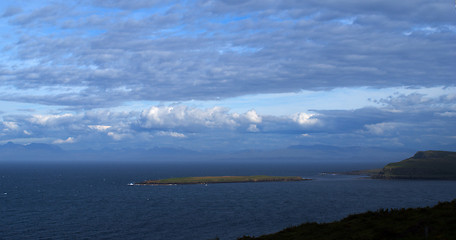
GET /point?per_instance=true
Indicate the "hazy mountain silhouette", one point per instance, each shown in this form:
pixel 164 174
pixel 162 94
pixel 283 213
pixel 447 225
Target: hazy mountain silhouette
pixel 320 153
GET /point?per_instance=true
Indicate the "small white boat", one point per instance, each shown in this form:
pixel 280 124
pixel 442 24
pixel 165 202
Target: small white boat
pixel 131 184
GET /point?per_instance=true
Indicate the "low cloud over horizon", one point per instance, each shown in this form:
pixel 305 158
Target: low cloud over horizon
pixel 425 124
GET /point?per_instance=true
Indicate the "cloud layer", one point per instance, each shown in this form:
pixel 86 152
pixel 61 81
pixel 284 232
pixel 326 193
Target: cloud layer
pixel 96 53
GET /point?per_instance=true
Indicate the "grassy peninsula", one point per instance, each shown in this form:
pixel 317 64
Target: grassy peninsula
pixel 423 165
pixel 414 223
pixel 220 179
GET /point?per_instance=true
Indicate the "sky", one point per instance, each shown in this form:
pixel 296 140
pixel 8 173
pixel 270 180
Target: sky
pixel 228 75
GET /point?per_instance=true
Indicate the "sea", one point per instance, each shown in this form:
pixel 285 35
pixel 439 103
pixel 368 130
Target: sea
pixel 95 200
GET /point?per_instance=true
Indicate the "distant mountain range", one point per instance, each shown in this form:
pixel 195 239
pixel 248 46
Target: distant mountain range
pixel 41 151
pixel 313 153
pixel 10 146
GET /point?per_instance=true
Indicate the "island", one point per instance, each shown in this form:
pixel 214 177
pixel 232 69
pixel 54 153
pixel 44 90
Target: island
pixel 435 165
pixel 220 179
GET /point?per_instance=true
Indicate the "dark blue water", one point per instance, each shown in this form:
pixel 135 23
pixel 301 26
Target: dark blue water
pixel 94 201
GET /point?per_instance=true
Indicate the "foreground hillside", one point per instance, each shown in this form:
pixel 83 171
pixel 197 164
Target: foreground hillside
pixel 438 222
pixel 423 165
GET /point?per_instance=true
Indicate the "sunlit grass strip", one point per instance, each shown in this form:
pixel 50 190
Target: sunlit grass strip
pixel 222 179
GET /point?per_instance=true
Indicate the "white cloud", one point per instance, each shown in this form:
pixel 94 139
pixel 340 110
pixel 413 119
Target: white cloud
pixel 152 115
pixel 100 128
pixel 381 128
pixel 305 118
pixel 183 116
pixel 253 128
pixel 253 117
pixel 118 136
pixel 448 114
pixel 61 141
pixel 50 120
pixel 172 134
pixel 11 125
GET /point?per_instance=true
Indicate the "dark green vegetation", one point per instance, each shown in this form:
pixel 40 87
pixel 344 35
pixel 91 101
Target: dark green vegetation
pixel 220 179
pixel 438 222
pixel 423 165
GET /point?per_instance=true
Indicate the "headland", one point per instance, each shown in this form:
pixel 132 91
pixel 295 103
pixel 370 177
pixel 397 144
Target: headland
pixel 435 165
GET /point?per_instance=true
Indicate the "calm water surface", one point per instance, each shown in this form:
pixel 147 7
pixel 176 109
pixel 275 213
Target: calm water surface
pixel 94 201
